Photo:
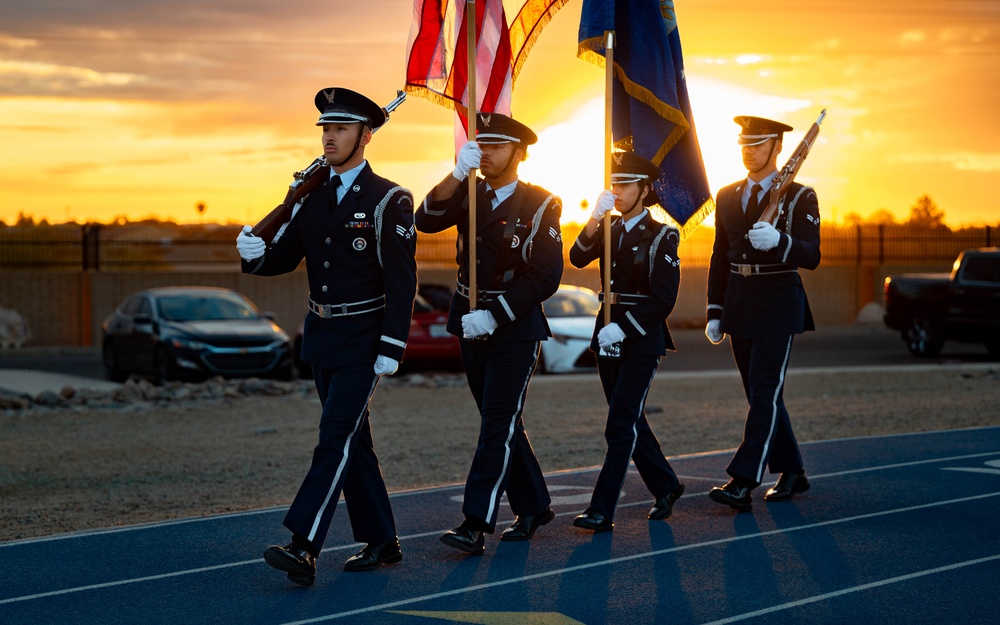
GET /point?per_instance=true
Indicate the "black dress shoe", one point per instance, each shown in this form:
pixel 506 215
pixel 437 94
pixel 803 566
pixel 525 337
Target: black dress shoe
pixel 374 556
pixel 466 539
pixel 298 563
pixel 787 485
pixel 523 527
pixel 664 506
pixel 593 521
pixel 733 495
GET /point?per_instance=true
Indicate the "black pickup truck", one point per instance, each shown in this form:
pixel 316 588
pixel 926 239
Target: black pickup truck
pixel 929 309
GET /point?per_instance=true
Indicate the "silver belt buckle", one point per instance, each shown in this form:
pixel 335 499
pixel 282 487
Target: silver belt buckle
pixel 745 270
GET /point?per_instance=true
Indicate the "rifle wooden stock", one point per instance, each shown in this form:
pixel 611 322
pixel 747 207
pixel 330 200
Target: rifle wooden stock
pixel 305 181
pixel 787 173
pixel 303 184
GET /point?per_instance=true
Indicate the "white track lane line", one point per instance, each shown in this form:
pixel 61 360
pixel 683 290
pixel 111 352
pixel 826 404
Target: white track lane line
pixel 639 556
pixel 853 589
pixel 137 580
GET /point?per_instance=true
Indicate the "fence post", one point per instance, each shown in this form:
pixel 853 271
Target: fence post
pixel 881 244
pixel 988 237
pixel 83 246
pixel 91 244
pixel 857 229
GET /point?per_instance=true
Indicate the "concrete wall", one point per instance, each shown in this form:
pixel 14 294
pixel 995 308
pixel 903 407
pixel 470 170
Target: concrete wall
pixel 67 308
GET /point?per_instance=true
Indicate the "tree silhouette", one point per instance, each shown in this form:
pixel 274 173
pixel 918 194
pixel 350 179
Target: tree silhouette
pixel 882 217
pixel 926 214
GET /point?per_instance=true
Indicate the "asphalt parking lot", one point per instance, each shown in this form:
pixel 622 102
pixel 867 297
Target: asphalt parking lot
pixel 835 346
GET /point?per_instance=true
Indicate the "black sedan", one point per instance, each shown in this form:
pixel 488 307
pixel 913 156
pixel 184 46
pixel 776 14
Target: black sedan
pixel 192 333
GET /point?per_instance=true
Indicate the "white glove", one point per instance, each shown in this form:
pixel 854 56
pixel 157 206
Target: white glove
pixel 713 332
pixel 385 365
pixel 764 236
pixel 605 202
pixel 478 323
pixel 468 157
pixel 249 246
pixel 609 335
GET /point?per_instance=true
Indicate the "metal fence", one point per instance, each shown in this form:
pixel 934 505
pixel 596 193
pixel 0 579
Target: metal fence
pixel 153 246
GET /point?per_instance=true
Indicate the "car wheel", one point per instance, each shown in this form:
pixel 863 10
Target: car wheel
pixel 287 373
pixel 163 370
pixel 923 337
pixel 111 370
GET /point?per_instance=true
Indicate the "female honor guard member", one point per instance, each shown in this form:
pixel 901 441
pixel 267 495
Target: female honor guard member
pixel 645 275
pixel 755 295
pixel 356 235
pixel 519 263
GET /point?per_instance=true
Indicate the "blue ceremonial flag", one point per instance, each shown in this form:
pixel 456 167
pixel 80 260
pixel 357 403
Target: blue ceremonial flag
pixel 651 112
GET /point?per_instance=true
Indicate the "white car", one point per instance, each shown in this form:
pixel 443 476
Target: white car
pixel 572 313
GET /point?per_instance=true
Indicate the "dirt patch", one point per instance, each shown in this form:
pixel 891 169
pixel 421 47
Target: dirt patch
pixel 65 470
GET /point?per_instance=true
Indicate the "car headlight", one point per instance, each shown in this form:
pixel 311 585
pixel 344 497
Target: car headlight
pixel 195 346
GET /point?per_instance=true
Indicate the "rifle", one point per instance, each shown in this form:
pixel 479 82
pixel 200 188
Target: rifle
pixel 303 184
pixel 787 174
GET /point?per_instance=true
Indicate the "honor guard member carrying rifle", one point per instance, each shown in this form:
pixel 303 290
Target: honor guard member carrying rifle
pixel 356 235
pixel 755 295
pixel 645 276
pixel 519 264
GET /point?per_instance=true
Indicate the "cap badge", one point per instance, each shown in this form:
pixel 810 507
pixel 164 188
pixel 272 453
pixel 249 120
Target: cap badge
pixel 618 157
pixel 329 95
pixel 486 117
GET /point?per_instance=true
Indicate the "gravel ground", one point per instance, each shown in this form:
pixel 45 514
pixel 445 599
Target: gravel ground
pixel 71 470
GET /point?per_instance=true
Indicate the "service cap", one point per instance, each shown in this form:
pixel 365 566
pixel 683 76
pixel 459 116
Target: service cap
pixel 499 128
pixel 757 130
pixel 627 167
pixel 343 106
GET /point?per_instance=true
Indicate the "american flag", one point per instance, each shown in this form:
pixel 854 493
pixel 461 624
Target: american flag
pixel 437 52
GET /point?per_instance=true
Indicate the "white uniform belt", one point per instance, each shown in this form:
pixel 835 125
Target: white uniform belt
pixel 328 311
pixel 627 299
pixel 484 295
pixel 756 270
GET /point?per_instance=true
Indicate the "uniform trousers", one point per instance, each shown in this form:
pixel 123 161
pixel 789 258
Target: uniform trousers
pixel 343 461
pixel 768 439
pixel 626 383
pixel 498 375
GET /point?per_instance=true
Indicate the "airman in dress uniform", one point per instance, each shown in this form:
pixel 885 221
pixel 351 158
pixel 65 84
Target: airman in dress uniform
pixel 357 237
pixel 645 276
pixel 519 264
pixel 755 295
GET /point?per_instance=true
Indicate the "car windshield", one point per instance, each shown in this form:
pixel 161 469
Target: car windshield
pixel 572 304
pixel 203 308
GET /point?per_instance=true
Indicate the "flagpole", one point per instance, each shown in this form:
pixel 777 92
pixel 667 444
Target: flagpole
pixel 471 112
pixel 609 62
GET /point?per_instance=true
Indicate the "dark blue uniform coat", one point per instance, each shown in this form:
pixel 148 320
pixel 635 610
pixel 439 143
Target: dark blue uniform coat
pixel 361 252
pixel 645 264
pixel 514 279
pixel 761 312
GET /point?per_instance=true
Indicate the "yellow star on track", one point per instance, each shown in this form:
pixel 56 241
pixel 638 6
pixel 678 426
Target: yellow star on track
pixel 499 618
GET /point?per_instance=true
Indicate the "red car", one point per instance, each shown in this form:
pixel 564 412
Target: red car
pixel 429 344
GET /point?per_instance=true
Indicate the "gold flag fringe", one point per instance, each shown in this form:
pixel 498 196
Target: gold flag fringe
pixel 530 40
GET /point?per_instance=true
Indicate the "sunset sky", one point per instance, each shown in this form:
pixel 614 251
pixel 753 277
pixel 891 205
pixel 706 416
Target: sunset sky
pixel 115 108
